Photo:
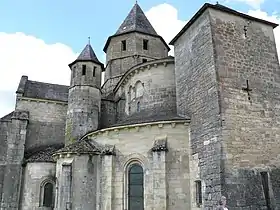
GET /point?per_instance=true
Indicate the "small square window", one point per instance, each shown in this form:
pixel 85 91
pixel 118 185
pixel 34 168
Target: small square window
pixel 84 67
pixel 144 60
pixel 145 44
pixel 124 45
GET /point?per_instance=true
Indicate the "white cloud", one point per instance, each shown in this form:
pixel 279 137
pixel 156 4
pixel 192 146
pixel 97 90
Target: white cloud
pixel 164 18
pixel 272 18
pixel 21 54
pixel 169 25
pixel 253 3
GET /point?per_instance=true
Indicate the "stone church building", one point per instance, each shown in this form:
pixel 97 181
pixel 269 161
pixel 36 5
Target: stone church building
pixel 162 132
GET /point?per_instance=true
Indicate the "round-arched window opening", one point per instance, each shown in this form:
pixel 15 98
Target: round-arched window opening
pixel 48 195
pixel 135 187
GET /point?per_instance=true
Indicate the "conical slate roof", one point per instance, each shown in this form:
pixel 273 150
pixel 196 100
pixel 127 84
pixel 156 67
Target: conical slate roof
pixel 136 21
pixel 87 55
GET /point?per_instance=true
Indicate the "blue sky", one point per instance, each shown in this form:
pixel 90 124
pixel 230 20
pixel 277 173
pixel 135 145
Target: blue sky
pixel 71 22
pixel 39 38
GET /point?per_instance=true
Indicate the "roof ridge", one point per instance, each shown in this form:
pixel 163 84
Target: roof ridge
pixel 47 83
pixel 7 116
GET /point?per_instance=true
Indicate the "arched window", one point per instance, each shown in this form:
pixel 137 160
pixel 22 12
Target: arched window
pixel 47 193
pixel 135 187
pixel 139 89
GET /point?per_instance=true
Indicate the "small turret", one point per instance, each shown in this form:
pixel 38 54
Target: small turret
pixel 84 99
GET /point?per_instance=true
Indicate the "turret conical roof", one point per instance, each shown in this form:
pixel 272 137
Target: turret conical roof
pixel 136 21
pixel 87 54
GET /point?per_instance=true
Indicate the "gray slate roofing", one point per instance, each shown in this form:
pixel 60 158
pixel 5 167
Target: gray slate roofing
pixel 79 147
pixel 40 90
pixel 42 154
pixel 136 21
pixel 7 117
pixel 88 55
pixel 149 116
pixel 86 146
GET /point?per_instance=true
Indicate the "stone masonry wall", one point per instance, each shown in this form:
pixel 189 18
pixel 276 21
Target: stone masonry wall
pixel 149 89
pixel 118 61
pixel 15 152
pixel 4 130
pixel 35 174
pixel 250 122
pixel 84 182
pixel 108 113
pixel 197 97
pixel 47 122
pixel 83 114
pixel 174 163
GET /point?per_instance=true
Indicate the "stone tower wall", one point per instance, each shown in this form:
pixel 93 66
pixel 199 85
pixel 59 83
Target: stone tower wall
pixel 197 97
pixel 5 127
pixel 233 133
pixel 250 122
pixel 15 152
pixel 118 61
pixel 84 101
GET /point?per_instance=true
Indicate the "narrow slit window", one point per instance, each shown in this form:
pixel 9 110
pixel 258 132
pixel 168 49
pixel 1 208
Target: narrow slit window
pixel 138 106
pixel 145 44
pixel 84 67
pixel 124 45
pixel 93 72
pixel 265 184
pixel 198 192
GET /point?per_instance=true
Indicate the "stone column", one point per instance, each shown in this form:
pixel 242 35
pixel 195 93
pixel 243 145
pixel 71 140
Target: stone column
pixel 84 182
pixel 107 182
pixel 15 154
pixel 65 190
pixel 159 174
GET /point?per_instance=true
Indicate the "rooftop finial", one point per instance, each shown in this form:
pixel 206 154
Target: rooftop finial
pixel 136 2
pixel 89 40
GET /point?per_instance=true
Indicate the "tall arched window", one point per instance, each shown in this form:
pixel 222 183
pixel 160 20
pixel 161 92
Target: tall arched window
pixel 139 89
pixel 135 187
pixel 47 193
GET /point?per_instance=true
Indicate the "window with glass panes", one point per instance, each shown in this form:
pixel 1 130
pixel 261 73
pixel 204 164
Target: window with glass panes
pixel 135 187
